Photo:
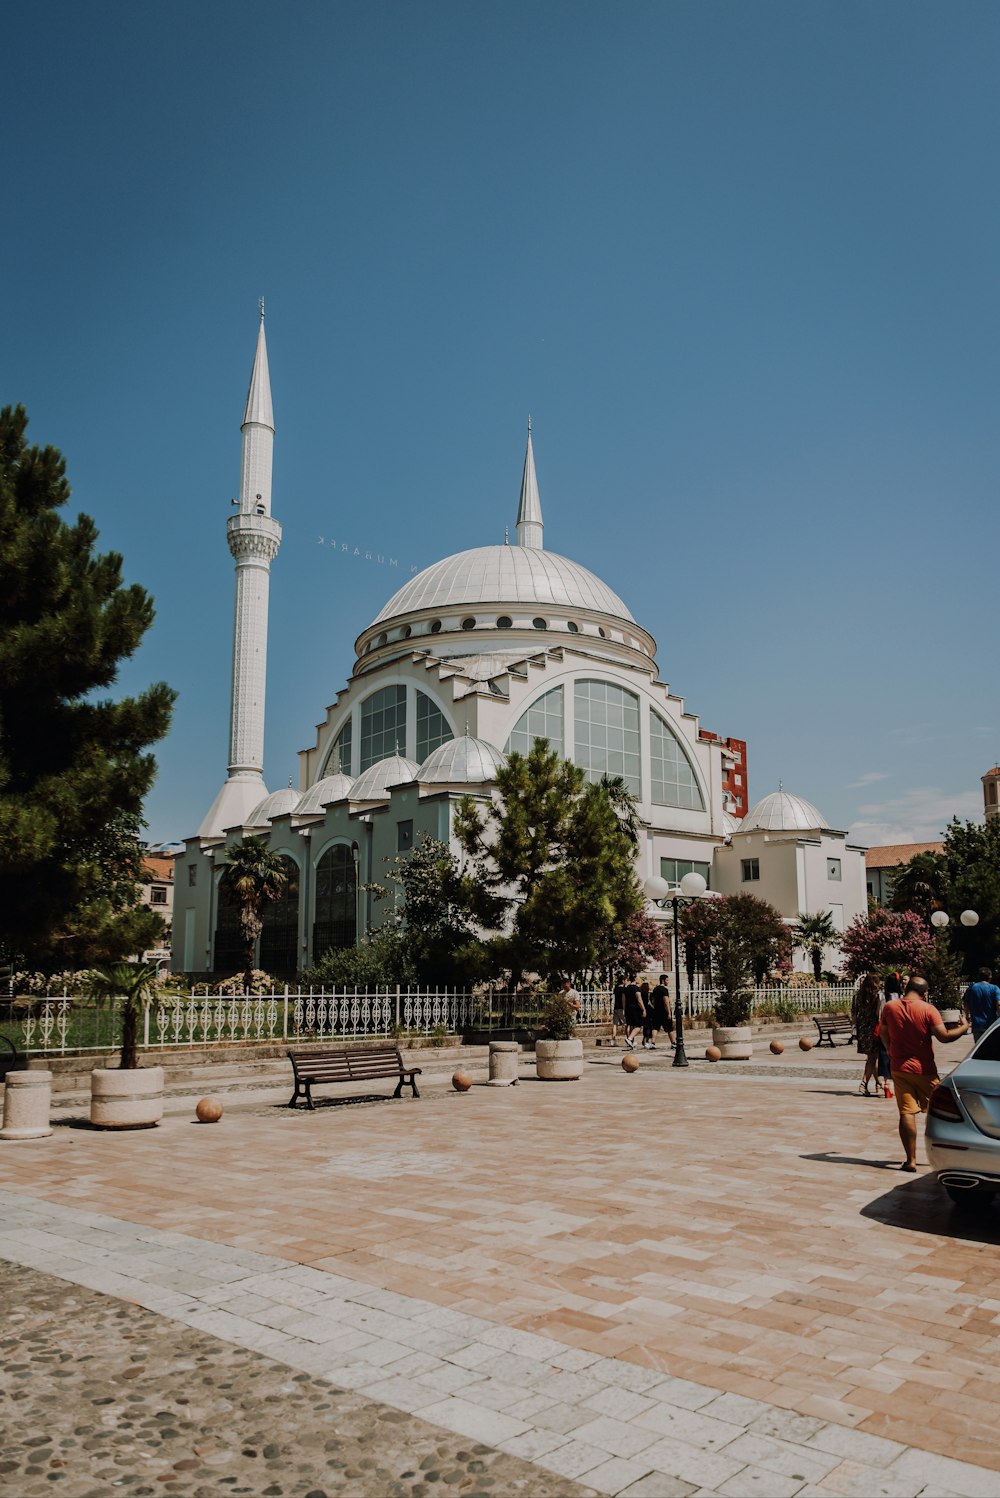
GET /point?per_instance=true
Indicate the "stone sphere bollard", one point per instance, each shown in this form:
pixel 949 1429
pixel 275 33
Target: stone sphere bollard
pixel 208 1110
pixel 777 1048
pixel 26 1105
pixel 461 1081
pixel 630 1063
pixel 805 1044
pixel 504 1056
pixel 713 1053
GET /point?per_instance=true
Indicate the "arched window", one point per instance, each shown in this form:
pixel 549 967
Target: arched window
pixel 542 720
pixel 607 732
pixel 336 922
pixel 383 726
pixel 672 780
pixel 230 950
pixel 279 938
pixel 432 727
pixel 338 761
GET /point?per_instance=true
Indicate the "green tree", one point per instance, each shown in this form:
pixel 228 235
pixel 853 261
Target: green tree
pixel 442 940
pixel 965 876
pixel 254 876
pixel 734 1006
pixel 920 885
pixel 73 766
pixel 763 937
pixel 943 971
pixel 380 960
pixel 553 866
pixel 813 934
pixel 134 983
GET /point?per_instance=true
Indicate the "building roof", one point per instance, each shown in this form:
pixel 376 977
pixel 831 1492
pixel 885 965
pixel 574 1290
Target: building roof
pixel 259 411
pixel 461 761
pixel 893 855
pixel 529 512
pixel 783 812
pixel 505 575
pixel 159 866
pixel 993 774
pixel 277 804
pixel 324 793
pixel 374 783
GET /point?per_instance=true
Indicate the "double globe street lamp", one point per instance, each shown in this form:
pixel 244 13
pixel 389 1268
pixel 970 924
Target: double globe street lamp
pixel 659 892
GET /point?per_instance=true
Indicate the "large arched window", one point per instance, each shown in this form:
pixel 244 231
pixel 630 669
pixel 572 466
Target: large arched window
pixel 338 761
pixel 279 938
pixel 432 727
pixel 607 732
pixel 542 720
pixel 383 726
pixel 230 948
pixel 336 923
pixel 673 781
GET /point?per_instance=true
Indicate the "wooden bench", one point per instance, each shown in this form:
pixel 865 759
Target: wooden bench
pixel 344 1063
pixel 830 1025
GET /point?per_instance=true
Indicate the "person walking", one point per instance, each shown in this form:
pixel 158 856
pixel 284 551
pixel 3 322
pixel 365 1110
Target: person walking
pixel 865 1014
pixel 658 1012
pixel 569 992
pixel 910 1025
pixel 981 1003
pixel 617 1011
pixel 647 1015
pixel 635 1013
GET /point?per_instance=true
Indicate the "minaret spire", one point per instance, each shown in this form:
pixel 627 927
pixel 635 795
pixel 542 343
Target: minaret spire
pixel 253 539
pixel 529 515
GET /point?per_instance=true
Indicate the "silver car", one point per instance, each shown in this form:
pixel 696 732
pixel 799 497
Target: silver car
pixel 963 1125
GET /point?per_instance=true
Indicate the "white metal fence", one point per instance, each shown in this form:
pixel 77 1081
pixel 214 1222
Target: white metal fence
pixel 62 1024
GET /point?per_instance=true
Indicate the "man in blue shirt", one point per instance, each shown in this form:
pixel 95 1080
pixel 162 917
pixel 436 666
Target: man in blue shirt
pixel 981 1002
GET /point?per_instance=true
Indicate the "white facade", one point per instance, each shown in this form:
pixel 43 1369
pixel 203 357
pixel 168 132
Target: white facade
pixel 495 646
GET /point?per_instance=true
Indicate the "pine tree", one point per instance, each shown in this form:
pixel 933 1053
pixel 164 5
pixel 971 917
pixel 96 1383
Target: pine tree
pixel 554 864
pixel 73 771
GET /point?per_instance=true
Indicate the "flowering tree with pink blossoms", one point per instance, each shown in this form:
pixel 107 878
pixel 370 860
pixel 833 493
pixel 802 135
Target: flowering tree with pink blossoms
pixel 887 940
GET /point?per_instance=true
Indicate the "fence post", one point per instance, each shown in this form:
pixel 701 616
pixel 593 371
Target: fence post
pixel 284 1016
pixel 145 1026
pixel 398 1026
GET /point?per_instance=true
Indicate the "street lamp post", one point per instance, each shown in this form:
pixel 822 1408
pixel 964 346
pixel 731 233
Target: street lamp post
pixel 941 918
pixel 692 887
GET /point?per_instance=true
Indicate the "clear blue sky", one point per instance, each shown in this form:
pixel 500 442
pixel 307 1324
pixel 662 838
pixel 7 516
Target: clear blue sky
pixel 738 260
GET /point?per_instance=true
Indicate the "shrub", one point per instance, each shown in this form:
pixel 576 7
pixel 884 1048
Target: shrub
pixel 557 1020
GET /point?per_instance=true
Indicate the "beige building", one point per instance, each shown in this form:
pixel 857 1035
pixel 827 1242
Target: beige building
pixel 882 866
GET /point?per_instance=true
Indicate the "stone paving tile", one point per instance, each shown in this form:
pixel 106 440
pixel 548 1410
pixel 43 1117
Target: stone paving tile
pixel 103 1397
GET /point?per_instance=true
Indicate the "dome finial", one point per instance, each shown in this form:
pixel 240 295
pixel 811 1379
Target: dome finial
pixel 260 303
pixel 529 515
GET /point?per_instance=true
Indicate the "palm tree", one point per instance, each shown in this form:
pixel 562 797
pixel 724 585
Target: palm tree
pixel 253 876
pixel 813 933
pixel 135 983
pixel 919 885
pixel 625 805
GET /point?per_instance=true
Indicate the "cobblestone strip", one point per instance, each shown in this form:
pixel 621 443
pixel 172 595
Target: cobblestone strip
pixel 102 1397
pixel 620 1428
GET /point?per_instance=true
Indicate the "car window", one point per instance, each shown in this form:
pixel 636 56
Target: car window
pixel 988 1048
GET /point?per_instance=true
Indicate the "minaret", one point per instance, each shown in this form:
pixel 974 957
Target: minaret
pixel 529 516
pixel 253 539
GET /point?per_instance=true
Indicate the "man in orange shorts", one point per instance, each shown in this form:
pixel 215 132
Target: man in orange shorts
pixel 909 1026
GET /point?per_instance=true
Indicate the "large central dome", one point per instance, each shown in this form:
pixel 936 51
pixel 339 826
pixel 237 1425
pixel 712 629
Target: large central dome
pixel 505 575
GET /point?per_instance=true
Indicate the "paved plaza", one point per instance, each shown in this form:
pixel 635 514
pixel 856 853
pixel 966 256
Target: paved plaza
pixel 682 1282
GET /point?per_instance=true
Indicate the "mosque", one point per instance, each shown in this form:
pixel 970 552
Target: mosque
pixel 477 655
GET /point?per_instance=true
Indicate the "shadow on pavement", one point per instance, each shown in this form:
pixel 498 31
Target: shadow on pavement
pixel 830 1157
pixel 921 1206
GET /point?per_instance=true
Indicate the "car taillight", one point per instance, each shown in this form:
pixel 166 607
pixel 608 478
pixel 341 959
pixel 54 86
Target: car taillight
pixel 944 1105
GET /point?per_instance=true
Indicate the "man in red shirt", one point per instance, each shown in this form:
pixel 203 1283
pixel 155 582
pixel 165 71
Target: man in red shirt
pixel 909 1026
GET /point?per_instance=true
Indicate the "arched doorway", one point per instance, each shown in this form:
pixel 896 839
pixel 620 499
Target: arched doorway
pixel 336 921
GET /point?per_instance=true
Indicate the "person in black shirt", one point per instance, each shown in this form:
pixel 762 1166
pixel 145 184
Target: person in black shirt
pixel 635 1013
pixel 658 1013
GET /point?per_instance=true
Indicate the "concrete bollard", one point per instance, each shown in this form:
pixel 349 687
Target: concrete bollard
pixel 26 1101
pixel 503 1063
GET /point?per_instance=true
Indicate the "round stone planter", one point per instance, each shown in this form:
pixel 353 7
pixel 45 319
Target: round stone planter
pixel 504 1055
pixel 559 1060
pixel 734 1043
pixel 951 1018
pixel 126 1099
pixel 26 1105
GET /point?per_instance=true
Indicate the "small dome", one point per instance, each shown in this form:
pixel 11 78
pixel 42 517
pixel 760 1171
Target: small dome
pixel 373 784
pixel 462 761
pixel 782 812
pixel 730 824
pixel 277 804
pixel 331 788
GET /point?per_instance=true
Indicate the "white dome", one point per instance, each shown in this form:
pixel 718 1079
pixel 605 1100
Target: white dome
pixel 730 824
pixel 277 804
pixel 463 761
pixel 373 784
pixel 331 788
pixel 782 812
pixel 505 575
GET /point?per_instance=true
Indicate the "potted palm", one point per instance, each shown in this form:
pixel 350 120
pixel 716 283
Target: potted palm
pixel 731 1031
pixel 128 1096
pixel 558 1052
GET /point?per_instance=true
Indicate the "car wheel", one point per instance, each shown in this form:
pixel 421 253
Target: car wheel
pixel 969 1201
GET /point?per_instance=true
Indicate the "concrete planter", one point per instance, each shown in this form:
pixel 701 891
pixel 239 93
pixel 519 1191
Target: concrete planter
pixel 126 1099
pixel 26 1105
pixel 734 1043
pixel 951 1018
pixel 559 1060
